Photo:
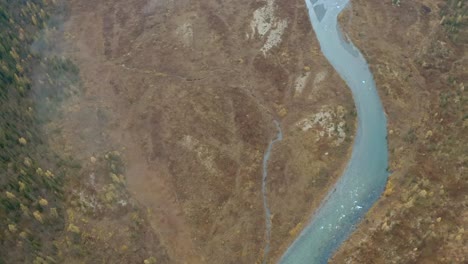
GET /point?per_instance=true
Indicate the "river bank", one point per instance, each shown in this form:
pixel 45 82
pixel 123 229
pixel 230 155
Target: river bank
pixel 419 63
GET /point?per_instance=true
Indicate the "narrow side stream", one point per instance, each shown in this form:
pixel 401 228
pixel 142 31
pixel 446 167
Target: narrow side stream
pixel 266 157
pixel 366 174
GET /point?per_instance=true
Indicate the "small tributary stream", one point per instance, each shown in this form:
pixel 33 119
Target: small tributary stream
pixel 366 174
pixel 266 157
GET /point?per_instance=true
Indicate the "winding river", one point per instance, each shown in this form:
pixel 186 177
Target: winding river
pixel 366 174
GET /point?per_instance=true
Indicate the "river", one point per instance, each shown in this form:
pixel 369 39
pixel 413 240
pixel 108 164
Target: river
pixel 366 174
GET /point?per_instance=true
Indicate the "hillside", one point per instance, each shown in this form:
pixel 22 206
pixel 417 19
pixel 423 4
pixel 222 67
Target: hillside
pixel 164 127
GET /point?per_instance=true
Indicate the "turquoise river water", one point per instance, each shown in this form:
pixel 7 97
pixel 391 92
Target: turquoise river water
pixel 366 174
